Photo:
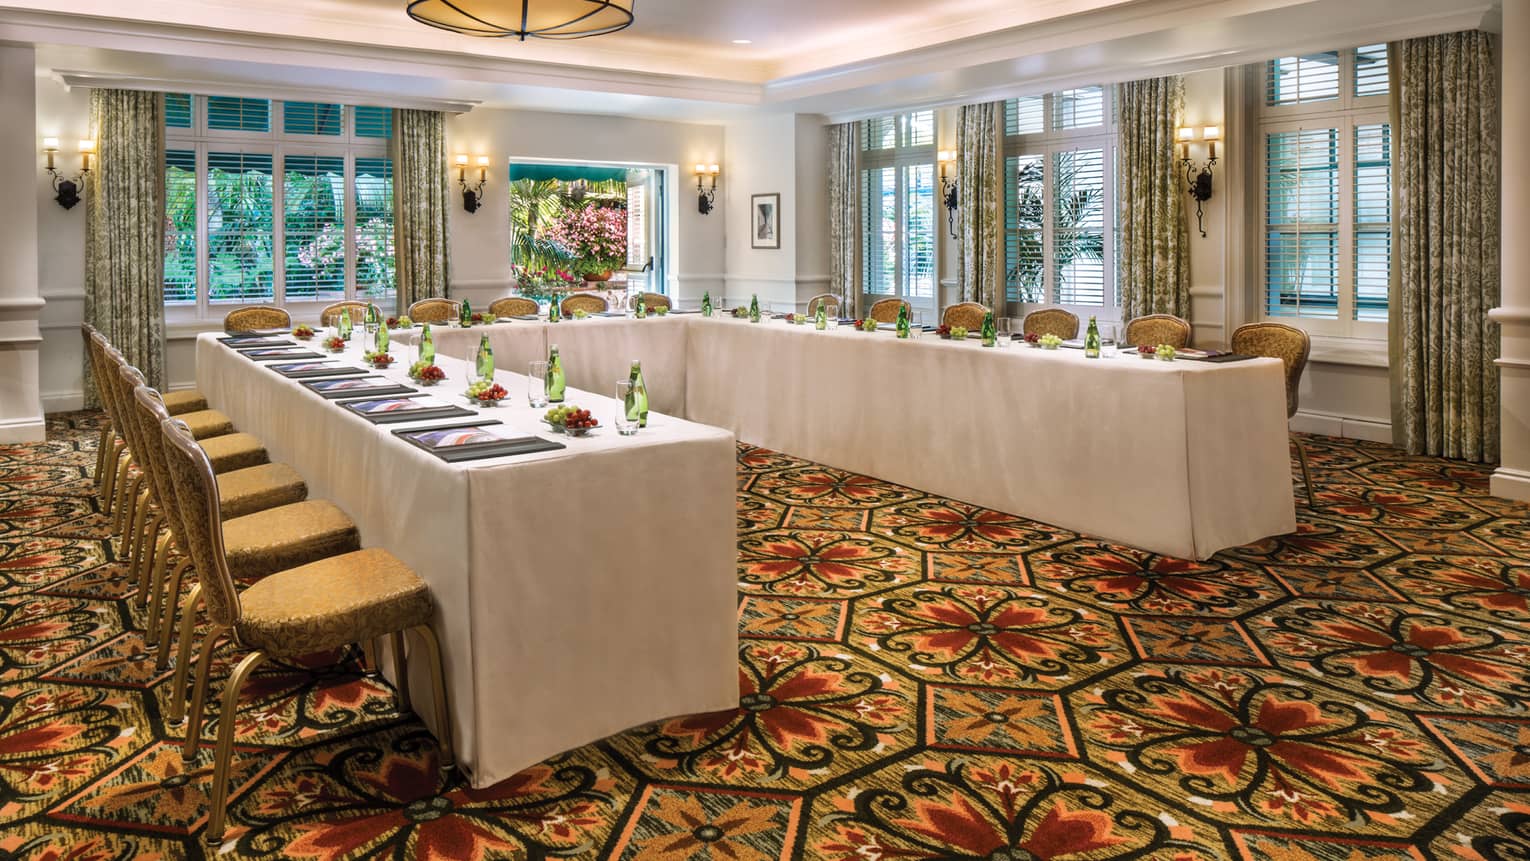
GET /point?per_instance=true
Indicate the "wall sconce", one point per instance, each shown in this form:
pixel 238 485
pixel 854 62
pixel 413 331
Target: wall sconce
pixel 472 196
pixel 948 190
pixel 705 197
pixel 1199 178
pixel 68 189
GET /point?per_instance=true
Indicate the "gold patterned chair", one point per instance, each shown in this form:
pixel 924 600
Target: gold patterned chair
pixel 829 300
pixel 435 310
pixel 1154 329
pixel 968 315
pixel 514 306
pixel 256 317
pixel 1051 321
pixel 354 307
pixel 316 607
pixel 586 302
pixel 886 310
pixel 1291 346
pixel 651 300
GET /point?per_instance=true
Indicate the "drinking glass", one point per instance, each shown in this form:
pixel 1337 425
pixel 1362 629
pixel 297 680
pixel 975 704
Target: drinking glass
pixel 1107 341
pixel 1002 328
pixel 624 427
pixel 536 384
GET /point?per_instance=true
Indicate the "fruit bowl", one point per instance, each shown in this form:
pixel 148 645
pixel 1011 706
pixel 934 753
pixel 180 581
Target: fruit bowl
pixel 485 394
pixel 335 345
pixel 1032 339
pixel 958 333
pixel 378 360
pixel 1050 341
pixel 303 333
pixel 943 331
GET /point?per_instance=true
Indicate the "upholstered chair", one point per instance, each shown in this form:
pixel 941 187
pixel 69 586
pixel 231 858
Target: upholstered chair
pixel 826 299
pixel 886 310
pixel 1291 346
pixel 1051 321
pixel 586 302
pixel 435 310
pixel 255 317
pixel 1154 329
pixel 650 300
pixel 513 306
pixel 968 315
pixel 324 605
pixel 357 309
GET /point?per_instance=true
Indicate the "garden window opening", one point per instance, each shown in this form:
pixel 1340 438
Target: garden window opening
pixel 898 208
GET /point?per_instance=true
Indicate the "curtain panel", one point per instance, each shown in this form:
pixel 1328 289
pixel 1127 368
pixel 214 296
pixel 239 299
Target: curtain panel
pixel 1447 245
pixel 125 230
pixel 843 184
pixel 422 198
pixel 1154 239
pixel 979 219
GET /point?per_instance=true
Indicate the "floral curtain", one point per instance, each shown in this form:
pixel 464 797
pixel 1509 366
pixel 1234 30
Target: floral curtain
pixel 842 220
pixel 1154 240
pixel 125 230
pixel 979 219
pixel 421 196
pixel 1447 244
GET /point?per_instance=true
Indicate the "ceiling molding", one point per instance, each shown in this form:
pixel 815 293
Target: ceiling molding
pixel 260 91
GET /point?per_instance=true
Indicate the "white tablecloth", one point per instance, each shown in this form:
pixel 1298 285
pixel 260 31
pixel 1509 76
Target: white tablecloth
pixel 577 593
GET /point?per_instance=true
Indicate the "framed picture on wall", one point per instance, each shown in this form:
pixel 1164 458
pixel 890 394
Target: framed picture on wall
pixel 765 221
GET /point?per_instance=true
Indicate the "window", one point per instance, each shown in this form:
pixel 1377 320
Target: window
pixel 898 207
pixel 1326 192
pixel 1059 200
pixel 275 202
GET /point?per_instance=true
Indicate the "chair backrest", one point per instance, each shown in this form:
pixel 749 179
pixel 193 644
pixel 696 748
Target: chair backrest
pixel 586 302
pixel 651 300
pixel 435 310
pixel 1277 341
pixel 968 315
pixel 106 372
pixel 1051 321
pixel 94 349
pixel 256 317
pixel 513 306
pixel 1154 329
pixel 826 299
pixel 357 309
pixel 196 493
pixel 148 410
pixel 886 310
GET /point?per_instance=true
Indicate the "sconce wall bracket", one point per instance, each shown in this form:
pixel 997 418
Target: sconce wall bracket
pixel 1199 183
pixel 952 198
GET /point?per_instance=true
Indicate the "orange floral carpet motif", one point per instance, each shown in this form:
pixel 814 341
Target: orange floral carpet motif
pixel 919 679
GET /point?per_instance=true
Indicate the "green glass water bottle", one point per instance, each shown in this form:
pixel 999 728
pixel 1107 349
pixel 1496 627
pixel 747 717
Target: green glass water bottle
pixel 427 346
pixel 637 397
pixel 556 382
pixel 990 331
pixel 1092 340
pixel 344 325
pixel 485 363
pixel 706 304
pixel 821 319
pixel 642 308
pixel 754 308
pixel 382 339
pixel 554 310
pixel 903 319
pixel 465 314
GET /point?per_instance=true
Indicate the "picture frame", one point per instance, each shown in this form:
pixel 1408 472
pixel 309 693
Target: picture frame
pixel 765 221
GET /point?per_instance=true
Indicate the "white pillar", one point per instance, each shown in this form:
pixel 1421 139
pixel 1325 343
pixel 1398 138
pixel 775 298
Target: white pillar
pixel 21 418
pixel 1512 478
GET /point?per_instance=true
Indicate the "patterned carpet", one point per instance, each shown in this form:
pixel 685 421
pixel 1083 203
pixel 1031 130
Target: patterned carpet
pixel 920 680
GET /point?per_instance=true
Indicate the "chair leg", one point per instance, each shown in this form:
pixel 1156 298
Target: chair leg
pixel 143 545
pixel 104 448
pixel 213 836
pixel 199 694
pixel 438 685
pixel 152 545
pixel 151 577
pixel 131 540
pixel 124 489
pixel 396 646
pixel 109 482
pixel 1301 457
pixel 175 711
pixel 163 623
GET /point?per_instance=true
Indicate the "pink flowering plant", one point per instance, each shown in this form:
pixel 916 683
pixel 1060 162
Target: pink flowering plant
pixel 594 237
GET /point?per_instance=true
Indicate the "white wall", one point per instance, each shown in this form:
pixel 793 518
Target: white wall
pixel 21 418
pixel 480 242
pixel 63 114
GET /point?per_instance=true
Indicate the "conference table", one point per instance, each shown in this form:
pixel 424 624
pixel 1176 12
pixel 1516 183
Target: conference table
pixel 1180 458
pixel 579 592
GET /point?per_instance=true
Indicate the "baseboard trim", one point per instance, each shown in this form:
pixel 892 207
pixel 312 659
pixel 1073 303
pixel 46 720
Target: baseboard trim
pixel 1510 484
pixel 1347 427
pixel 63 402
pixel 26 429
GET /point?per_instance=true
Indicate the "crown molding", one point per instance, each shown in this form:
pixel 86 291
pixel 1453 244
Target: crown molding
pixel 200 87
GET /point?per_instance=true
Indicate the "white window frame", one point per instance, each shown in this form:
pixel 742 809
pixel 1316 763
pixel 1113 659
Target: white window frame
pixel 899 158
pixel 1047 144
pixel 200 139
pixel 1345 114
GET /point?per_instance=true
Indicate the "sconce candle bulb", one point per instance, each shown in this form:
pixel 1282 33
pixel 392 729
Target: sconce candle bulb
pixel 68 189
pixel 706 196
pixel 472 196
pixel 1198 177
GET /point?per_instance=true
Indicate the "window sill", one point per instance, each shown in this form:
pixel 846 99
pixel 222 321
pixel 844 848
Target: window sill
pixel 1354 352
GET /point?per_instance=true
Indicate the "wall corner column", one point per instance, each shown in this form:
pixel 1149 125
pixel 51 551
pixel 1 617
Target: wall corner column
pixel 1512 478
pixel 21 416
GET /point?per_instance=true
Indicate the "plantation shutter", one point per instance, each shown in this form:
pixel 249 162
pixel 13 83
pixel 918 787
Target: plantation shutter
pixel 180 272
pixel 313 195
pixel 373 122
pixel 880 249
pixel 1301 80
pixel 237 114
pixel 312 118
pixel 1371 72
pixel 1373 220
pixel 375 276
pixel 1078 239
pixel 1301 219
pixel 177 111
pixel 239 227
pixel 1024 226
